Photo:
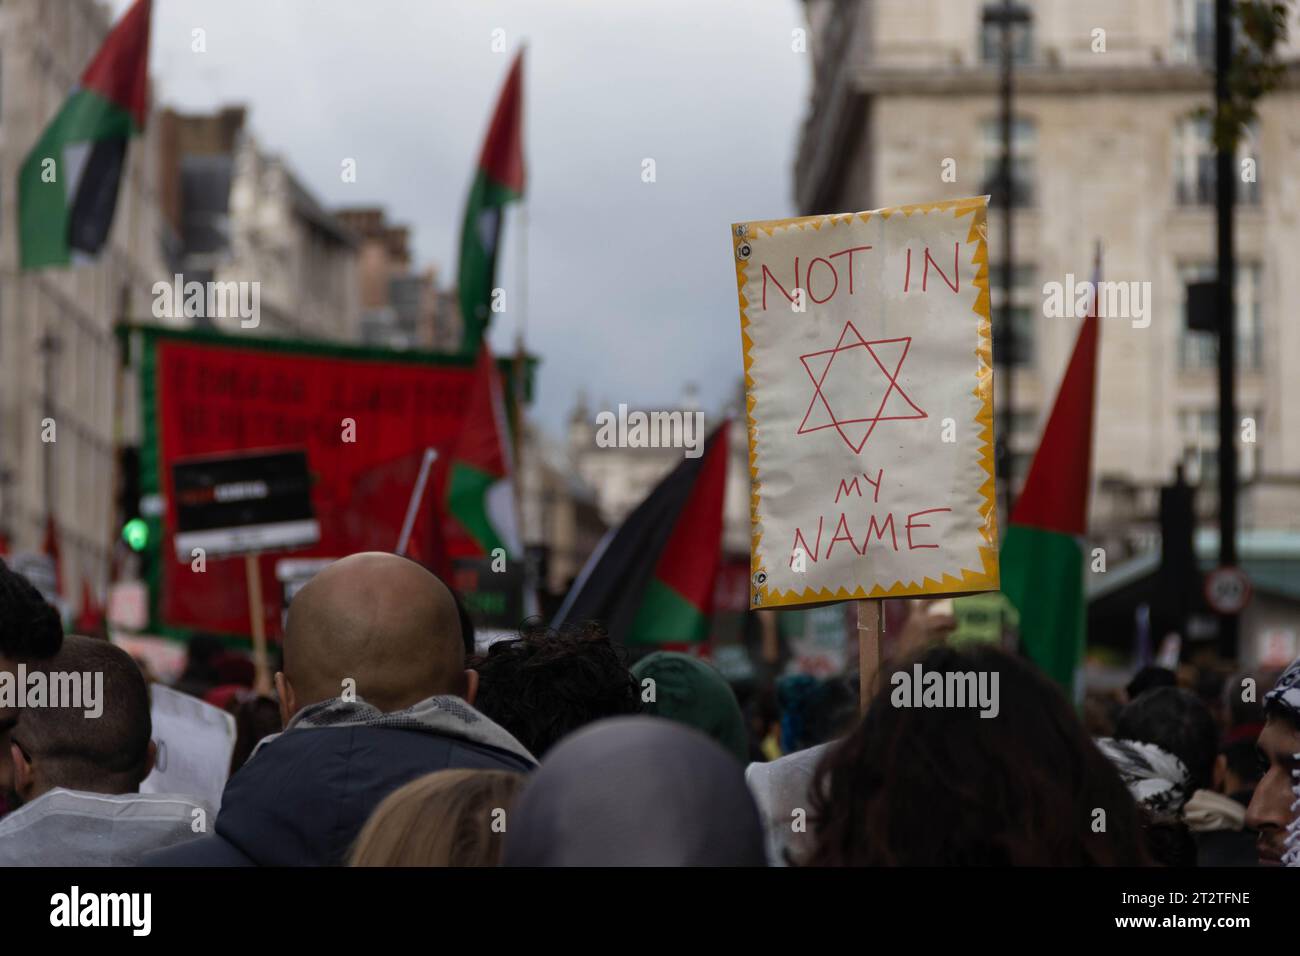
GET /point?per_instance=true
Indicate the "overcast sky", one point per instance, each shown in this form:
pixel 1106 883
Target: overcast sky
pixel 630 288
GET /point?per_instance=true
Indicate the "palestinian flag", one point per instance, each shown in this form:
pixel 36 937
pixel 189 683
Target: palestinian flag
pixel 480 499
pixel 67 186
pixel 1042 556
pixel 651 579
pixel 498 181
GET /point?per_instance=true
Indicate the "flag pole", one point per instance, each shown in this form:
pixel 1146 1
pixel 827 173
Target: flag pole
pixel 520 368
pixel 871 628
pixel 121 355
pixel 417 494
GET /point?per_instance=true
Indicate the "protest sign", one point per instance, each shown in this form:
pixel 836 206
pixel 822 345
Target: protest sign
pixel 818 639
pixel 869 389
pixel 164 659
pixel 493 595
pixel 293 573
pixel 194 741
pixel 128 605
pixel 237 504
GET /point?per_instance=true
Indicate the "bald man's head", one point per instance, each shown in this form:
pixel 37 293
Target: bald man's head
pixel 381 620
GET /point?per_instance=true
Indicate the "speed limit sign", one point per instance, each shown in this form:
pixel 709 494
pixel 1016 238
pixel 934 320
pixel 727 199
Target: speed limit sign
pixel 1227 590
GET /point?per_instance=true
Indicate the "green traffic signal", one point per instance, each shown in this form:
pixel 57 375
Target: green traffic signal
pixel 136 534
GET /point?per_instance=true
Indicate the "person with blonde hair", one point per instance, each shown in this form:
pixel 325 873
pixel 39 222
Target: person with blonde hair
pixel 448 818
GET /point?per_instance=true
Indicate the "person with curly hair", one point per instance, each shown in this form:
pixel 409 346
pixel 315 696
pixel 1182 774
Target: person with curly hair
pixel 543 685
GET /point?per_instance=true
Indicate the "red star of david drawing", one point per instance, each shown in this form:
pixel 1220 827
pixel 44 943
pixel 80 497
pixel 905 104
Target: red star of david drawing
pixel 820 414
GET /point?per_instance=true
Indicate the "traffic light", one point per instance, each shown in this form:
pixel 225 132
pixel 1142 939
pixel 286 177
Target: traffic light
pixel 135 529
pixel 136 534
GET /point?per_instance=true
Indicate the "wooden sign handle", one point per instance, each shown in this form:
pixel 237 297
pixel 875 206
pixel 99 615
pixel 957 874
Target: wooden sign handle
pixel 871 628
pixel 257 615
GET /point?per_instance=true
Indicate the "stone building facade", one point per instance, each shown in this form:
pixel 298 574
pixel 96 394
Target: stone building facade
pixel 58 353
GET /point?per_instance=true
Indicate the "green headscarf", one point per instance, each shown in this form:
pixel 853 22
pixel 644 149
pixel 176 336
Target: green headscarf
pixel 691 692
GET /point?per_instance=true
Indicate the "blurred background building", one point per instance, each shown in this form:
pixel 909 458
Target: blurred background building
pixel 243 216
pixel 1106 145
pixel 57 348
pixel 560 516
pixel 400 307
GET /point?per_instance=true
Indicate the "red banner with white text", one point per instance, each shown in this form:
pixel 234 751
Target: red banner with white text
pixel 363 417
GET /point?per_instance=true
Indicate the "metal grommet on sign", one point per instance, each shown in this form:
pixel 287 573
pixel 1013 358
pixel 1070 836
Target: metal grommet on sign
pixel 760 578
pixel 742 230
pixel 743 251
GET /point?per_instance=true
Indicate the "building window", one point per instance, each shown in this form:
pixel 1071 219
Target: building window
pixel 1020 462
pixel 1199 350
pixel 1198 433
pixel 1022 38
pixel 1023 144
pixel 1026 301
pixel 1193 40
pixel 1025 422
pixel 1194 164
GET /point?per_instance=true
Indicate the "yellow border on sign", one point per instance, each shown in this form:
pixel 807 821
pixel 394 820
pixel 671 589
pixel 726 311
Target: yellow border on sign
pixel 984 578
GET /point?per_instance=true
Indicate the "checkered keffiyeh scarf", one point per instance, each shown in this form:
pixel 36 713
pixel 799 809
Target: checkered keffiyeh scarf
pixel 1156 778
pixel 1286 694
pixel 444 715
pixel 337 712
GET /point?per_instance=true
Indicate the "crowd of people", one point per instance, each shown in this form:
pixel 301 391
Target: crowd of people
pixel 390 741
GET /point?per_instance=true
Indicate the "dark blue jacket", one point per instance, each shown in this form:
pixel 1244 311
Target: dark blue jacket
pixel 304 796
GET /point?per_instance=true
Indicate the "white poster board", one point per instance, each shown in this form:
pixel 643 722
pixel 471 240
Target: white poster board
pixel 869 385
pixel 195 741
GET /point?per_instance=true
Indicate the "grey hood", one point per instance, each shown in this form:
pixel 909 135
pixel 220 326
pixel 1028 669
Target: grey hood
pixel 636 791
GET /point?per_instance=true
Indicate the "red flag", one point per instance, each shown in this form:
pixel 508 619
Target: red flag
pixel 91 619
pixel 1042 557
pixel 120 70
pixel 502 159
pixel 1055 496
pixel 51 548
